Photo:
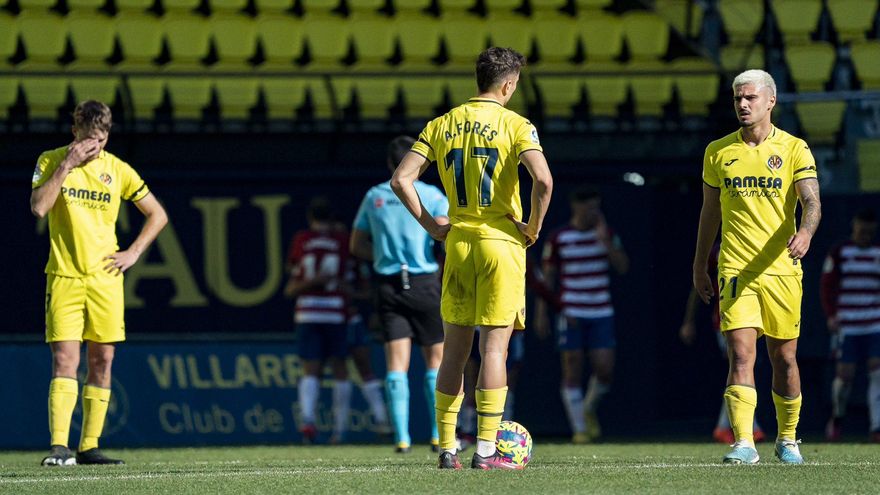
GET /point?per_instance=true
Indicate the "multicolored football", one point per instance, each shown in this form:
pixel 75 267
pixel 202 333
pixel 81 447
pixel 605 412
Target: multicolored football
pixel 514 442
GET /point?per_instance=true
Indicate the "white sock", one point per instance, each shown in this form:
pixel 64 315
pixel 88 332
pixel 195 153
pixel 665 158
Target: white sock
pixel 467 419
pixel 372 391
pixel 595 391
pixel 341 406
pixel 723 418
pixel 508 407
pixel 308 389
pixel 840 396
pixel 573 400
pixel 485 448
pixel 874 399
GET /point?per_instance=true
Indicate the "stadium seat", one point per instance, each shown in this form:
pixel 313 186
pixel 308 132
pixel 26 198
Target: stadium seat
pixel 375 95
pixel 284 96
pixel 651 91
pixel 235 37
pixel 869 164
pixel 585 5
pixel 319 7
pixel 821 120
pixel 92 37
pixel 282 40
pixel 327 37
pixel 419 39
pixel 147 93
pixel 140 37
pixel 511 31
pixel 547 5
pixel 605 94
pixel 411 6
pixel 421 96
pixel 8 94
pixel 735 58
pixel 180 6
pixel 189 96
pixel 502 6
pixel 189 38
pixel 556 36
pixel 797 18
pixel 44 95
pixel 373 38
pixel 465 38
pixel 559 95
pixel 742 19
pixel 44 39
pixel 866 59
pixel 602 35
pixel 852 18
pixel 85 6
pixel 36 5
pixel 647 35
pixel 8 38
pixel 365 6
pixel 267 7
pixel 237 96
pixel 679 13
pixel 810 65
pixel 136 6
pixel 101 88
pixel 455 6
pixel 227 6
pixel 695 91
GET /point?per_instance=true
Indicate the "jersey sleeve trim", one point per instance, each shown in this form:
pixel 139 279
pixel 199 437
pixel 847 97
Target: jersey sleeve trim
pixel 137 192
pixel 426 143
pixel 531 148
pixel 420 153
pixel 804 169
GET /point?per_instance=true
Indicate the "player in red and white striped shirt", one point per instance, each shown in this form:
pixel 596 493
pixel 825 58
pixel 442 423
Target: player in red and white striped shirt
pixel 317 262
pixel 851 299
pixel 577 259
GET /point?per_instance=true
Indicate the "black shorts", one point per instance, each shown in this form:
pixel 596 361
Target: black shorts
pixel 412 313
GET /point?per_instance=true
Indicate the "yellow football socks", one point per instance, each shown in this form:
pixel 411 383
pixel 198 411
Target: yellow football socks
pixel 788 412
pixel 741 401
pixel 490 408
pixel 95 402
pixel 62 401
pixel 447 415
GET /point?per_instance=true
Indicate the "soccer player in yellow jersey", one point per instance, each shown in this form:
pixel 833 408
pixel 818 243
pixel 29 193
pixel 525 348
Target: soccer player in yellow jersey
pixel 80 187
pixel 478 147
pixel 753 179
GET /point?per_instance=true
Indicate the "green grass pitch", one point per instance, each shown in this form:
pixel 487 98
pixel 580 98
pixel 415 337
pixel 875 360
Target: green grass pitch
pixel 673 468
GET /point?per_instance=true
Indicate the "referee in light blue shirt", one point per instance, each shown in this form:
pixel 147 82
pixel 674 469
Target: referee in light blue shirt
pixel 408 292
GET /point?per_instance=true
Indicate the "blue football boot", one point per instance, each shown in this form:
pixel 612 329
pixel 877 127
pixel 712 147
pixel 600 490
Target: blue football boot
pixel 787 451
pixel 742 453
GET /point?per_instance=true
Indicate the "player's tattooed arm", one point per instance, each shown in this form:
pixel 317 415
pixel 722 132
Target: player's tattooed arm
pixel 808 192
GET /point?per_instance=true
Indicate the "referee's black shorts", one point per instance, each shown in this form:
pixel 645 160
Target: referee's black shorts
pixel 410 313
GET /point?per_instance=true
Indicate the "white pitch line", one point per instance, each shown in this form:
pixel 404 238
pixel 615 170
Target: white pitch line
pixel 147 476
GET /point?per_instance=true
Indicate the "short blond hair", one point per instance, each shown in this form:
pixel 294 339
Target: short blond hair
pixel 757 77
pixel 92 114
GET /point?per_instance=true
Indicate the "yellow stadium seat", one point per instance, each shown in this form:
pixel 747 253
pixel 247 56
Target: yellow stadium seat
pixel 147 93
pixel 35 5
pixel 266 7
pixel 502 6
pixel 736 58
pixel 44 39
pixel 651 91
pixel 465 38
pixel 373 38
pixel 375 95
pixel 237 96
pixel 422 96
pixel 559 95
pixel 852 18
pixel 696 91
pixel 189 38
pixel 8 38
pixel 136 6
pixel 411 6
pixel 602 35
pixel 647 35
pixel 227 6
pixel 189 96
pixel 180 6
pixel 85 5
pixel 8 94
pixel 94 88
pixel 140 37
pixel 547 5
pixel 93 37
pixel 742 19
pixel 810 65
pixel 319 7
pixel 605 94
pixel 44 95
pixel 583 5
pixel 679 12
pixel 455 6
pixel 282 39
pixel 821 120
pixel 866 59
pixel 365 6
pixel 235 37
pixel 557 37
pixel 327 37
pixel 419 39
pixel 869 164
pixel 511 31
pixel 284 96
pixel 797 18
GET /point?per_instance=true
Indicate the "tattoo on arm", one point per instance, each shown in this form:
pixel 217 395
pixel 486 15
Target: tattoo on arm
pixel 808 191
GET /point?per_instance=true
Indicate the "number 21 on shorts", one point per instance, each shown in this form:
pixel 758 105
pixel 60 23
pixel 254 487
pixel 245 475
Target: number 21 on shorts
pixel 721 284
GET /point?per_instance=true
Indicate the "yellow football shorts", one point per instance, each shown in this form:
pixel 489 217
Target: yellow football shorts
pixel 769 303
pixel 89 308
pixel 484 281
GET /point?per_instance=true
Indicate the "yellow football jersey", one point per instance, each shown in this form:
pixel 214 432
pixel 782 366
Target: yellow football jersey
pixel 758 199
pixel 477 147
pixel 82 222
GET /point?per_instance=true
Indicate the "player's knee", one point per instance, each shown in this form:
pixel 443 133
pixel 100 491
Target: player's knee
pixel 65 363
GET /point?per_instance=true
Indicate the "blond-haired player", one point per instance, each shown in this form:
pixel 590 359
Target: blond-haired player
pixel 478 147
pixel 80 187
pixel 753 179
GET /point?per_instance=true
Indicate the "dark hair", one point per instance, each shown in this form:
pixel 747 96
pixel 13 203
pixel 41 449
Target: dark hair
pixel 397 148
pixel 495 63
pixel 866 215
pixel 92 114
pixel 319 209
pixel 583 193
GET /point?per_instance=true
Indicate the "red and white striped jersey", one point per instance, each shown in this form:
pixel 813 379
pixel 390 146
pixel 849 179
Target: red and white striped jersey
pixel 851 287
pixel 314 254
pixel 582 271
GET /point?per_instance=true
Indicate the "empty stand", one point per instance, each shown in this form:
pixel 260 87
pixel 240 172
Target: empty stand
pixel 697 84
pixel 8 38
pixel 511 31
pixel 365 6
pixel 685 16
pixel 235 37
pixel 421 96
pixel 797 18
pixel 583 5
pixel 375 95
pixel 739 58
pixel 602 36
pixel 502 6
pixel 319 7
pixel 647 35
pixel 605 94
pixel 821 120
pixel 327 37
pixel 85 6
pixel 465 37
pixel 44 96
pixel 852 18
pixel 147 94
pixel 651 92
pixel 869 164
pixel 810 65
pixel 556 36
pixel 189 38
pixel 419 39
pixel 284 96
pixel 282 40
pixel 237 96
pixel 866 59
pixel 227 6
pixel 44 39
pixel 742 19
pixel 180 6
pixel 137 6
pixel 189 96
pixel 140 37
pixel 559 95
pixel 101 88
pixel 265 7
pixel 92 37
pixel 36 5
pixel 373 40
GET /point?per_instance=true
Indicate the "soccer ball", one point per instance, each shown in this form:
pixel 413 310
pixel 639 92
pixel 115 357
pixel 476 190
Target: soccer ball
pixel 514 443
